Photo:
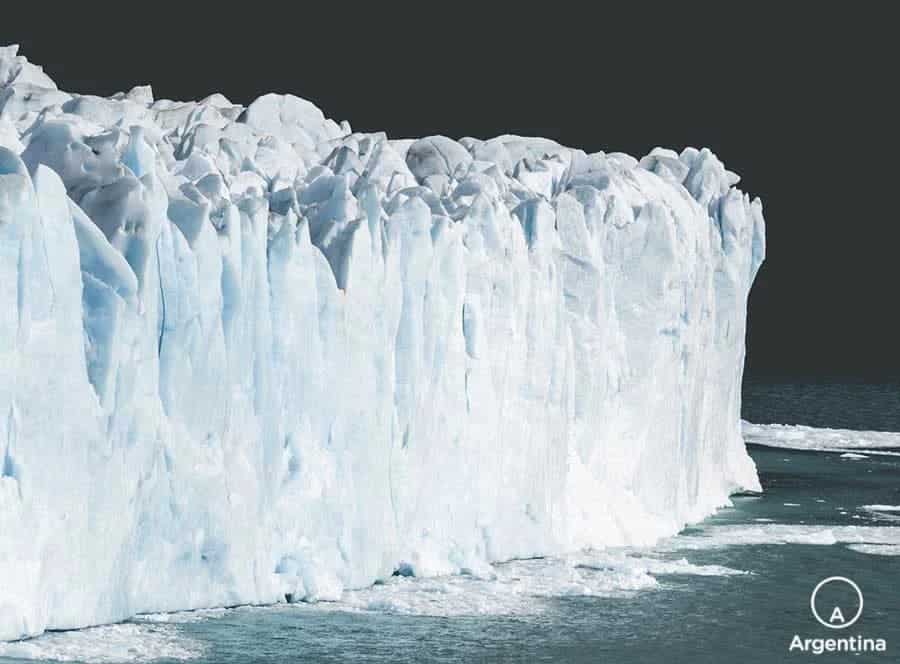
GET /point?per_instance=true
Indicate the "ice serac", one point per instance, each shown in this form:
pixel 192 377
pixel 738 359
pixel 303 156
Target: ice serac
pixel 247 354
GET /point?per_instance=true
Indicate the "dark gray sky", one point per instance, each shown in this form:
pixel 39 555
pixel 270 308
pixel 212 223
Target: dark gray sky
pixel 800 102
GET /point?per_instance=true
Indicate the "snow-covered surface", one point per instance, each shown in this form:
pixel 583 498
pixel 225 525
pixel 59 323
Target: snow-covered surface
pixel 246 353
pixel 797 437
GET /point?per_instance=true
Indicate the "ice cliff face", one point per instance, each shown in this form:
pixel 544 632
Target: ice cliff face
pixel 247 354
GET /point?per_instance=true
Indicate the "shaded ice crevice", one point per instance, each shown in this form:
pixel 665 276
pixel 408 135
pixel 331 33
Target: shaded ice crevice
pixel 254 354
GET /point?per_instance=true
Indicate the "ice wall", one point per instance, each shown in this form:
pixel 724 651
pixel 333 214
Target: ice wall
pixel 248 355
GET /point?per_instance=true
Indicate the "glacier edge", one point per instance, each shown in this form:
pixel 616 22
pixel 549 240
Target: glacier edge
pixel 248 354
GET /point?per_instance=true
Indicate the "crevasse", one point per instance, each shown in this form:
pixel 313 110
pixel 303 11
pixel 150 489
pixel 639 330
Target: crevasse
pixel 247 354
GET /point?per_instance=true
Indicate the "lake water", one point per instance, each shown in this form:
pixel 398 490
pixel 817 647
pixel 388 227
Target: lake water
pixel 734 588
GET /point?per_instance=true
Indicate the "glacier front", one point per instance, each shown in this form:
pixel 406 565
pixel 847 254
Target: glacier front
pixel 249 356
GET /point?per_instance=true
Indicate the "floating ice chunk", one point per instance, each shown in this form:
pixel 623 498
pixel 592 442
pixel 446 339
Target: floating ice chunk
pixel 713 537
pixel 810 438
pixel 876 549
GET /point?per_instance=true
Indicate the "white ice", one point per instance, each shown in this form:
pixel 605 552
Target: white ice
pixel 128 643
pixel 876 549
pixel 714 537
pixel 248 354
pixel 525 587
pixel 798 437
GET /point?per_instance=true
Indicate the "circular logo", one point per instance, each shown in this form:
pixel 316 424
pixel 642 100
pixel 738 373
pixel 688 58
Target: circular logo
pixel 836 617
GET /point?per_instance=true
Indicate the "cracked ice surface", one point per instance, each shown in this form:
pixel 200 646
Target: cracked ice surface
pixel 247 352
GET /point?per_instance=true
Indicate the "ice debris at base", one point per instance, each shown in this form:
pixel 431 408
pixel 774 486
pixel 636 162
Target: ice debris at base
pixel 798 437
pixel 247 354
pixel 526 587
pixel 126 643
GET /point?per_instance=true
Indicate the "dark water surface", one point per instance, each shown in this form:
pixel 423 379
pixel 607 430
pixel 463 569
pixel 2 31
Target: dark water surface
pixel 826 402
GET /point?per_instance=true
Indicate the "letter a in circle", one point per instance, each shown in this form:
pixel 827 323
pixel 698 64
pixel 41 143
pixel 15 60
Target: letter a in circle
pixel 837 616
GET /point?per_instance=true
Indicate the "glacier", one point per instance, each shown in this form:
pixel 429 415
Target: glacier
pixel 248 355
